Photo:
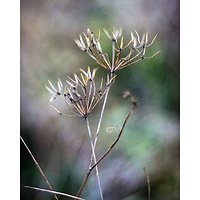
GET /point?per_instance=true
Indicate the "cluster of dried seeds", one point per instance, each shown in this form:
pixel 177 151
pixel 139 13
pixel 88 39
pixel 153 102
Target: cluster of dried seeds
pixel 137 48
pixel 80 93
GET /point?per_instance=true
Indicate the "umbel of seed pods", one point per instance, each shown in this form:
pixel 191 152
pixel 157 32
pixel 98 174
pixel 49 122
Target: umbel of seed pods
pixel 80 93
pixel 136 48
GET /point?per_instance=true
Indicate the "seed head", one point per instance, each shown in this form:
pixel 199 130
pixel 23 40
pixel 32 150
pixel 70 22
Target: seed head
pixel 136 47
pixel 80 93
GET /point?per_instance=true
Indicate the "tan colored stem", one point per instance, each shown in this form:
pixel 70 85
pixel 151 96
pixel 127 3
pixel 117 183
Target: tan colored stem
pixel 38 166
pixel 54 192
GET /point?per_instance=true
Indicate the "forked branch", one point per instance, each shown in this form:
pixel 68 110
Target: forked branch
pixel 109 149
pixel 94 157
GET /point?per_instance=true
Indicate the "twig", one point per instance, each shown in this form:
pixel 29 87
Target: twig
pixel 94 157
pixel 106 97
pixel 116 140
pixel 84 182
pixel 106 153
pixel 38 166
pixel 95 142
pixel 148 183
pixel 100 118
pixel 54 192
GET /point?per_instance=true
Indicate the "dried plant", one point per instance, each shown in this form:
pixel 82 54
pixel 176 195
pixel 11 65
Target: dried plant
pixel 137 47
pixel 81 94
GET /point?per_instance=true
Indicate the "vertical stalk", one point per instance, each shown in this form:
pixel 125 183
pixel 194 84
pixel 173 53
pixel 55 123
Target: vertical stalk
pixel 101 117
pixel 94 157
pixel 93 145
pixel 106 96
pixel 100 121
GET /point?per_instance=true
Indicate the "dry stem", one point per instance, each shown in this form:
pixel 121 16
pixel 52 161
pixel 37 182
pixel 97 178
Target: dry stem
pixel 99 123
pixel 39 168
pixel 109 149
pixel 116 140
pixel 95 142
pixel 94 157
pixel 54 192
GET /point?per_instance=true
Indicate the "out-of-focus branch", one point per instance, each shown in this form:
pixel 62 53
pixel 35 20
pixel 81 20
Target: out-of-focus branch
pixel 38 166
pixel 54 192
pixel 148 183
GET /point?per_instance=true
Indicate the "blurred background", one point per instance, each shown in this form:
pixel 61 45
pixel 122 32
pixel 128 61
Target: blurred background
pixel 60 144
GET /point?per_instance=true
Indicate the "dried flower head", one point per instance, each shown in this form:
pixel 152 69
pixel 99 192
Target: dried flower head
pixel 127 95
pixel 80 93
pixel 136 47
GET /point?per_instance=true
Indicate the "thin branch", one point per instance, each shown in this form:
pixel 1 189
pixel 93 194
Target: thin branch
pixel 60 113
pixel 106 153
pixel 84 182
pixel 148 183
pixel 54 192
pixel 38 166
pixel 94 157
pixel 101 116
pixel 95 142
pixel 116 140
pixel 111 75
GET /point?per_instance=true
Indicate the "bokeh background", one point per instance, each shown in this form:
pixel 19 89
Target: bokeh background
pixel 60 144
